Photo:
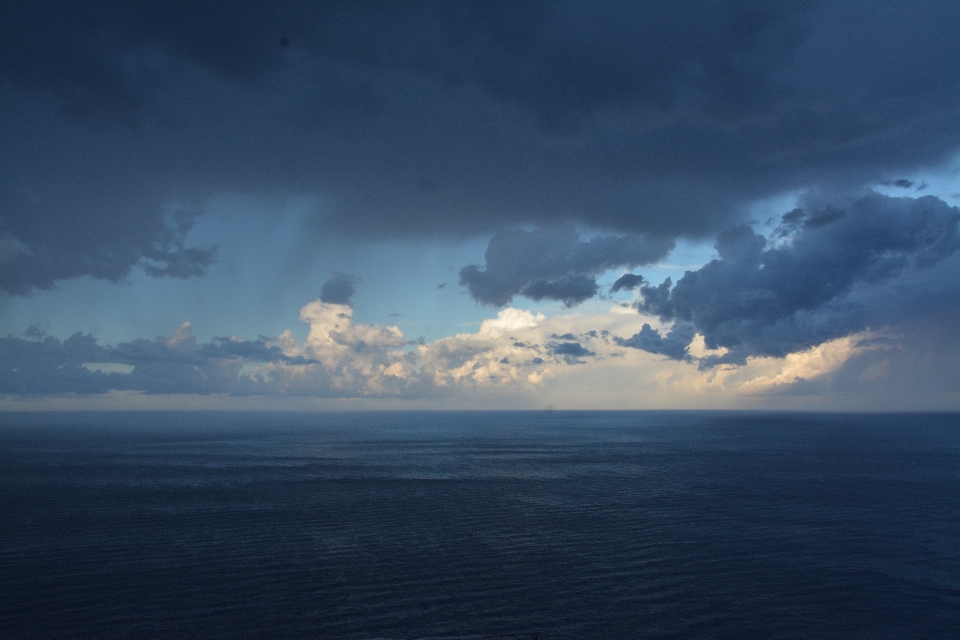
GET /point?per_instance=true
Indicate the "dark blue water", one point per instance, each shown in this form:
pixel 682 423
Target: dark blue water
pixel 409 525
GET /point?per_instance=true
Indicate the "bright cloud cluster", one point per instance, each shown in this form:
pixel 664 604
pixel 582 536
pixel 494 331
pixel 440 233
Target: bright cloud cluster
pixel 546 360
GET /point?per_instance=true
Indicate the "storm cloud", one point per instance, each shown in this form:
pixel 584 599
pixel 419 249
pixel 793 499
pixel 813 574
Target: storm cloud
pixel 122 120
pixel 827 271
pixel 553 264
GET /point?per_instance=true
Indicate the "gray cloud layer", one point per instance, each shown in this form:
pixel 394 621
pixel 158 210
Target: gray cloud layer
pixel 178 365
pixel 120 119
pixel 830 272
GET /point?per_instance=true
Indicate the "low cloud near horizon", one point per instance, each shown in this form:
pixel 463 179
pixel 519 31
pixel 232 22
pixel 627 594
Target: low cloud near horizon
pixel 518 354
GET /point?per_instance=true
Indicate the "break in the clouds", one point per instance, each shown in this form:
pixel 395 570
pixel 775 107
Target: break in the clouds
pixel 121 120
pixel 553 264
pixel 825 272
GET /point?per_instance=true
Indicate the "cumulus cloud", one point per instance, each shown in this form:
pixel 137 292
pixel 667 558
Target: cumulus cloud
pixel 510 320
pixel 553 263
pixel 338 359
pixel 632 117
pixel 826 272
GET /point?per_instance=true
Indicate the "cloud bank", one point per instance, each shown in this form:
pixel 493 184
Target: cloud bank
pixel 520 358
pixel 338 359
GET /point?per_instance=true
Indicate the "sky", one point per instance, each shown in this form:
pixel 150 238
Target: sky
pixel 486 205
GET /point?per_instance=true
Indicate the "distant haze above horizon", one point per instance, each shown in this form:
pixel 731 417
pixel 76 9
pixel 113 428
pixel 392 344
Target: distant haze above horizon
pixel 343 205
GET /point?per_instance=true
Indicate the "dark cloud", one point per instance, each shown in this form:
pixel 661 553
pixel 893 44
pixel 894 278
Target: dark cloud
pixel 674 345
pixel 569 349
pixel 571 290
pixel 447 118
pixel 168 255
pixel 90 241
pixel 249 350
pixel 571 352
pixel 902 183
pixel 832 271
pixel 37 330
pixel 175 365
pixel 51 366
pixel 553 263
pixel 338 289
pixel 627 281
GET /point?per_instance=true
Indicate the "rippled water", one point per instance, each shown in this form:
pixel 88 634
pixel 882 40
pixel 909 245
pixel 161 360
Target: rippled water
pixel 410 525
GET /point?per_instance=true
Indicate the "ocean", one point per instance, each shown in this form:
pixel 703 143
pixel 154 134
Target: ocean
pixel 434 525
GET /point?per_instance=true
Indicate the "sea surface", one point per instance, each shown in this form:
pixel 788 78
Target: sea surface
pixel 415 525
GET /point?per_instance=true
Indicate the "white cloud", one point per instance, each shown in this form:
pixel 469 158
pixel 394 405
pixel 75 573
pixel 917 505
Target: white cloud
pixel 518 359
pixel 510 319
pixel 183 337
pixel 813 363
